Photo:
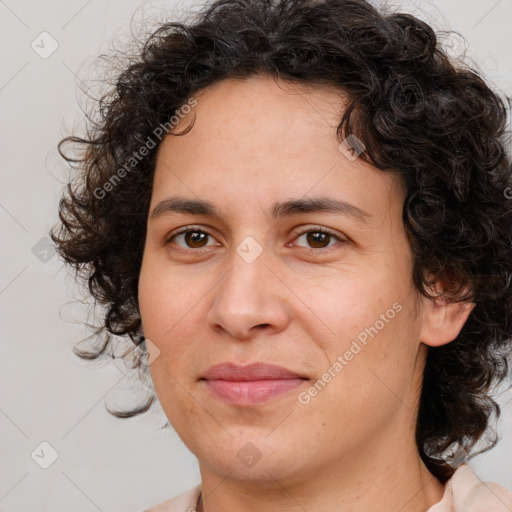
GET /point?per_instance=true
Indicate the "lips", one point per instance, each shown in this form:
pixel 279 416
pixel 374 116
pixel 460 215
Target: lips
pixel 255 371
pixel 251 384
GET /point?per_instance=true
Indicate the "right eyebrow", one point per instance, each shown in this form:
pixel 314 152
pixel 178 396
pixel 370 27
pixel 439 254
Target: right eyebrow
pixel 184 205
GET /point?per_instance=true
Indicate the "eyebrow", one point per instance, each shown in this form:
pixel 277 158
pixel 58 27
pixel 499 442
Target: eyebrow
pixel 290 207
pixel 282 209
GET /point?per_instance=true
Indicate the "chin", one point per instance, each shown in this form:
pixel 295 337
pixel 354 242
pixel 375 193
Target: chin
pixel 254 458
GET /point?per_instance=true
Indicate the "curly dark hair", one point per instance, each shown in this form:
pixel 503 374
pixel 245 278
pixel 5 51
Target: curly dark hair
pixel 419 113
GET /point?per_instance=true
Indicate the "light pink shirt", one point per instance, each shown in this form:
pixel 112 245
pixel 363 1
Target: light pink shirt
pixel 464 492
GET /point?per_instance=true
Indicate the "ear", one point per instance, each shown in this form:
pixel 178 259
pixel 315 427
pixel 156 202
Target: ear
pixel 442 320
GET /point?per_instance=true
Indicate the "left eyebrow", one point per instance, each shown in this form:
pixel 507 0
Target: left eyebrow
pixel 319 204
pixel 278 210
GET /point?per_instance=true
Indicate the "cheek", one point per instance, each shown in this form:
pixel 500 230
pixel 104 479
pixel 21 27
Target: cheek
pixel 173 309
pixel 163 299
pixel 372 334
pixel 163 305
pixel 347 305
pixel 368 375
pixel 375 350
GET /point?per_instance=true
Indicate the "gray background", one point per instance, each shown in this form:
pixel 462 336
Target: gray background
pixel 47 393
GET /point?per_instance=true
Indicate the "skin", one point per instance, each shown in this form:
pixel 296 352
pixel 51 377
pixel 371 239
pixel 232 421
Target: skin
pixel 299 304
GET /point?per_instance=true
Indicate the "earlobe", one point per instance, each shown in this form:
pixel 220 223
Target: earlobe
pixel 442 320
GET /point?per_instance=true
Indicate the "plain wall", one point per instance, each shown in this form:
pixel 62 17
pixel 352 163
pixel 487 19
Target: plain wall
pixel 47 393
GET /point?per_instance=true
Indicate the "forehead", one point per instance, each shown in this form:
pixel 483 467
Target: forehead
pixel 258 108
pixel 259 139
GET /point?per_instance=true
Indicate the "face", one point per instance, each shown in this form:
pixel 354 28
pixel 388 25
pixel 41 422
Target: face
pixel 267 273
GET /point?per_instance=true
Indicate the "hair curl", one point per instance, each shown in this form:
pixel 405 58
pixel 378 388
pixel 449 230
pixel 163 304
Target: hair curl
pixel 418 113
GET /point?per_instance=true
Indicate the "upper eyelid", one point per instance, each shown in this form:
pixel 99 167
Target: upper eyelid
pixel 303 230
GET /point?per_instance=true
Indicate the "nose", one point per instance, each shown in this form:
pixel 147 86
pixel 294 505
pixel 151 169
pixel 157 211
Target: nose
pixel 250 298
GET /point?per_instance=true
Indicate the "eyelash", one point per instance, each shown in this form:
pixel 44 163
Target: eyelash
pixel 314 229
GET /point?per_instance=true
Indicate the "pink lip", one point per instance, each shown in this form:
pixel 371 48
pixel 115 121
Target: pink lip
pixel 251 384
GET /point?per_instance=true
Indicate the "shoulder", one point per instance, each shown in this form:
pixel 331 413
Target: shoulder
pixel 464 492
pixel 184 502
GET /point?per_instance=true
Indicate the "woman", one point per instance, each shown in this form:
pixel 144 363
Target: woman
pixel 297 212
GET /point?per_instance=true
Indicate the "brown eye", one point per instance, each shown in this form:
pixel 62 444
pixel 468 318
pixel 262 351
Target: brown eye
pixel 190 239
pixel 195 238
pixel 319 238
